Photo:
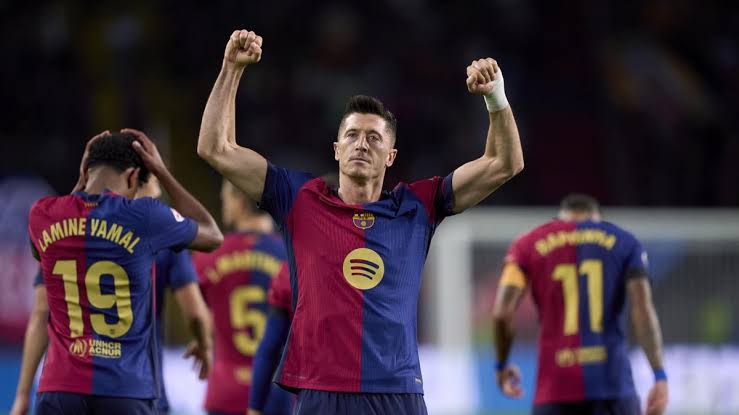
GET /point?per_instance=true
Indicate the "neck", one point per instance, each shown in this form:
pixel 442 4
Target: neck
pixel 356 192
pixel 257 223
pixel 104 180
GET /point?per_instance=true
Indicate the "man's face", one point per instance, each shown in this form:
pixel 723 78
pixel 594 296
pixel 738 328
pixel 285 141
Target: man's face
pixel 364 148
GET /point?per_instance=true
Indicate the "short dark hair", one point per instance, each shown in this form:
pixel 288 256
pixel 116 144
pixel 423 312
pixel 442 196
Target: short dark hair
pixel 579 202
pixel 364 104
pixel 116 151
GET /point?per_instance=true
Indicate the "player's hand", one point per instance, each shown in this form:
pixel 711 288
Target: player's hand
pixel 82 181
pixel 253 412
pixel 243 48
pixel 20 405
pixel 203 356
pixel 147 150
pixel 657 399
pixel 509 381
pixel 482 75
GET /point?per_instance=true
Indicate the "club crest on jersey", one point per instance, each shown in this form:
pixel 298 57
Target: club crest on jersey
pixel 363 268
pixel 78 348
pixel 363 220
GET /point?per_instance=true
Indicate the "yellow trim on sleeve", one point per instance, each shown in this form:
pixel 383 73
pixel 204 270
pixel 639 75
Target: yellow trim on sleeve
pixel 513 276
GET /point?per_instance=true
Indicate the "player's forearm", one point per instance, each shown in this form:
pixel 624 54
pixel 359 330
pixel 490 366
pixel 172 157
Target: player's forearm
pixel 34 345
pixel 268 356
pixel 218 126
pixel 190 207
pixel 504 334
pixel 200 329
pixel 503 144
pixel 649 334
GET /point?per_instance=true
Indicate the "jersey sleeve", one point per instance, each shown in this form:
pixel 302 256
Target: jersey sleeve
pixel 167 228
pixel 637 262
pixel 436 195
pixel 515 265
pixel 280 187
pixel 280 293
pixel 182 271
pixel 198 262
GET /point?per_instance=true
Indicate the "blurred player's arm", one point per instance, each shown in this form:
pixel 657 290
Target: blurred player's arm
pixel 649 335
pixel 243 167
pixel 209 236
pixel 198 320
pixel 508 297
pixel 503 156
pixel 268 357
pixel 34 345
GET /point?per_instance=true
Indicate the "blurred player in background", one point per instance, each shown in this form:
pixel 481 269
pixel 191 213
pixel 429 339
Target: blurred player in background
pixel 235 280
pixel 271 346
pixel 173 270
pixel 97 248
pixel 580 271
pixel 356 251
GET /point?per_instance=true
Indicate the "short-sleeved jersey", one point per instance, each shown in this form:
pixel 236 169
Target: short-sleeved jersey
pixel 97 254
pixel 235 279
pixel 355 274
pixel 280 295
pixel 577 274
pixel 174 270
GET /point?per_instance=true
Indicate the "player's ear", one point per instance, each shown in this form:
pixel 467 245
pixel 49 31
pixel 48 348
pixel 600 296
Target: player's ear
pixel 391 157
pixel 336 151
pixel 132 178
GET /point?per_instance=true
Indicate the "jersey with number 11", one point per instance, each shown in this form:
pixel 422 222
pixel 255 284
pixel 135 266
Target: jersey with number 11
pixel 577 273
pixel 97 254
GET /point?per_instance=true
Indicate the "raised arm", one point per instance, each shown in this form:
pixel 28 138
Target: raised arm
pixel 503 156
pixel 243 167
pixel 649 335
pixel 209 236
pixel 34 346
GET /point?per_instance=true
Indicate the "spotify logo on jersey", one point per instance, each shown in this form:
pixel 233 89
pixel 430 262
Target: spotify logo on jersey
pixel 363 268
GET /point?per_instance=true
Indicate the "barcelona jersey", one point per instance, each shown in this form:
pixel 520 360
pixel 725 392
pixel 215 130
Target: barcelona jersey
pixel 280 295
pixel 97 254
pixel 577 274
pixel 355 275
pixel 235 280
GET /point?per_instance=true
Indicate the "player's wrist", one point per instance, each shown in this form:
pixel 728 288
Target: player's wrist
pixel 501 365
pixel 660 374
pixel 496 99
pixel 231 67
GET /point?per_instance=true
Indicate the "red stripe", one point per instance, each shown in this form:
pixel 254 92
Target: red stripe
pixel 325 346
pixel 63 370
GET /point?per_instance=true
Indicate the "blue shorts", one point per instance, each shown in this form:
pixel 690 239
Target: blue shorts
pixel 312 402
pixel 622 406
pixel 65 403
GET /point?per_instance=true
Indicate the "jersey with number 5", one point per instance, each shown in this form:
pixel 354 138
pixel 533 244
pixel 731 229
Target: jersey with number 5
pixel 235 280
pixel 577 273
pixel 97 254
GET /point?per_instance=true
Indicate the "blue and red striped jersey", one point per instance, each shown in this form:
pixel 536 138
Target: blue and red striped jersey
pixel 97 254
pixel 577 274
pixel 355 273
pixel 235 280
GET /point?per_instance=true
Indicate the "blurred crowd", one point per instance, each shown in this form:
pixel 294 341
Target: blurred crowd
pixel 634 102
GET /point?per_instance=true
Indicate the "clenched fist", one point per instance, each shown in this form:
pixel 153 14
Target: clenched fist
pixel 243 48
pixel 485 78
pixel 481 76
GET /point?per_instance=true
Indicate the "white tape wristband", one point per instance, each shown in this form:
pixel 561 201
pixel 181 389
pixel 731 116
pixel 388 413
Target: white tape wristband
pixel 496 99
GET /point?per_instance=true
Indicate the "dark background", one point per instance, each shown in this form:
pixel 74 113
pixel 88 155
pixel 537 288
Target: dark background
pixel 634 102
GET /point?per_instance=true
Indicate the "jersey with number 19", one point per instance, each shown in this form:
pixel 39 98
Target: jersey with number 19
pixel 97 254
pixel 577 273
